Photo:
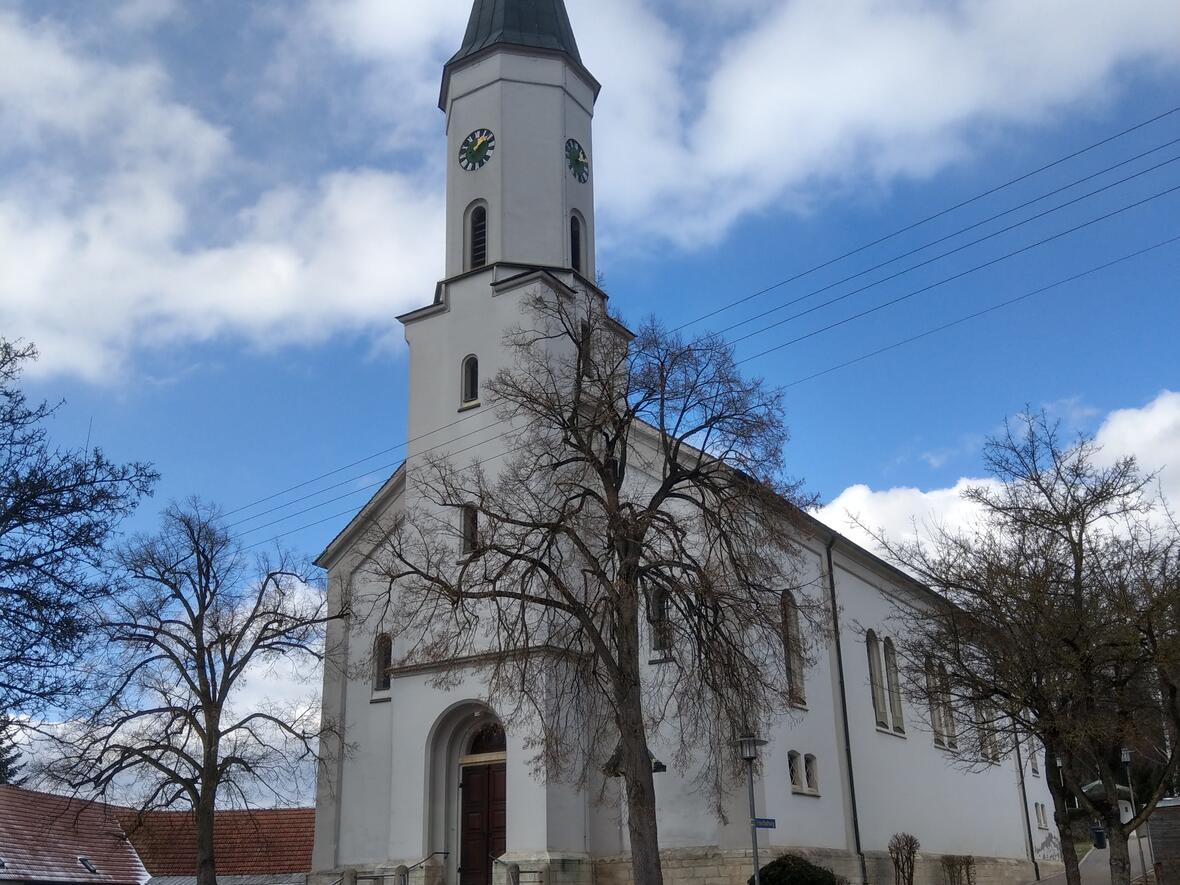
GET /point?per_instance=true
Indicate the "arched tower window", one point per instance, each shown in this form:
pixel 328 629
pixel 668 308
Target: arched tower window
pixel 382 661
pixel 793 650
pixel 477 237
pixel 576 243
pixel 470 374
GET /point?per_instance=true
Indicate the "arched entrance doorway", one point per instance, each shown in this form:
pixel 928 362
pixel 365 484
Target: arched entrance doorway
pixel 466 811
pixel 483 805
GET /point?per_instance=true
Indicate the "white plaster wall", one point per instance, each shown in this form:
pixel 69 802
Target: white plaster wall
pixel 805 820
pixel 533 104
pixel 907 783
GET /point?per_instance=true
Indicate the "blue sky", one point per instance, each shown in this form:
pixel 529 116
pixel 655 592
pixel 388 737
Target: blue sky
pixel 211 212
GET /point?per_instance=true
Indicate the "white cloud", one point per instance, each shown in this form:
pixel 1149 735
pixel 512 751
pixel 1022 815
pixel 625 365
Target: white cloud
pixel 116 234
pixel 1150 433
pixel 146 14
pixel 777 102
pixel 101 250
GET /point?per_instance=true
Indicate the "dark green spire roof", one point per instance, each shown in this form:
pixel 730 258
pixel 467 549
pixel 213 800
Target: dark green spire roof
pixel 532 24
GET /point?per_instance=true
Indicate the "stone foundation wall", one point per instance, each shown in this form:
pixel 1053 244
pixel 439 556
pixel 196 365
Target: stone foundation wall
pixel 714 867
pixel 703 866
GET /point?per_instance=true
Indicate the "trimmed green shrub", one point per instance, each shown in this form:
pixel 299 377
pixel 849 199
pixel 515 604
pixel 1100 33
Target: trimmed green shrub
pixel 791 869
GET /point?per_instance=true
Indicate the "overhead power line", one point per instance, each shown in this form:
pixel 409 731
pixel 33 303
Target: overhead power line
pixel 971 270
pixel 981 313
pixel 926 262
pixel 1058 162
pixel 862 358
pixel 940 214
pixel 838 323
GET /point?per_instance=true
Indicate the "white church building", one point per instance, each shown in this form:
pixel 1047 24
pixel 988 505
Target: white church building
pixel 424 780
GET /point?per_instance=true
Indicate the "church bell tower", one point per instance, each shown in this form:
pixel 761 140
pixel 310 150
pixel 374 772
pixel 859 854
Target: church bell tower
pixel 520 173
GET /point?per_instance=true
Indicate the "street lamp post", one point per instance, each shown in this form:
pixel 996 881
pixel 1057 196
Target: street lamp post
pixel 1134 810
pixel 748 746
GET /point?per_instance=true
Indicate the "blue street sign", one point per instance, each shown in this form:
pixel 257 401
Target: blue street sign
pixel 764 823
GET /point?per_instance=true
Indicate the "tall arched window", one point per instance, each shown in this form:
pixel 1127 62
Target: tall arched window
pixel 793 650
pixel 470 374
pixel 948 710
pixel 877 679
pixel 477 237
pixel 382 661
pixel 934 698
pixel 894 684
pixel 661 628
pixel 576 243
pixel 470 528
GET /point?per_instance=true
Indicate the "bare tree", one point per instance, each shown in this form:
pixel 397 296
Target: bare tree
pixel 1060 622
pixel 621 567
pixel 58 510
pixel 164 721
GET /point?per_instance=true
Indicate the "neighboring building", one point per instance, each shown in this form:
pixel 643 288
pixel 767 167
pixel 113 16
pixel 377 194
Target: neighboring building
pixel 853 767
pixel 55 840
pixel 260 847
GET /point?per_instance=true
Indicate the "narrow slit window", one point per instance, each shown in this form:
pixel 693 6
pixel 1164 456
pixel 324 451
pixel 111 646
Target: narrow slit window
pixel 894 684
pixel 793 650
pixel 877 679
pixel 470 380
pixel 948 710
pixel 478 237
pixel 811 772
pixel 382 661
pixel 576 243
pixel 795 764
pixel 470 529
pixel 661 628
pixel 934 696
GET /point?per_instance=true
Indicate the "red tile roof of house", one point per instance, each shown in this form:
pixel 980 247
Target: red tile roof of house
pixel 260 842
pixel 43 838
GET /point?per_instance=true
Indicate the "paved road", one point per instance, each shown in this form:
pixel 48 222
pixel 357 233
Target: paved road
pixel 1096 866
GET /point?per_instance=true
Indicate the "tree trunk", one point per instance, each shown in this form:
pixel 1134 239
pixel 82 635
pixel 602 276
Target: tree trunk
pixel 1120 856
pixel 1069 854
pixel 205 812
pixel 636 756
pixel 641 797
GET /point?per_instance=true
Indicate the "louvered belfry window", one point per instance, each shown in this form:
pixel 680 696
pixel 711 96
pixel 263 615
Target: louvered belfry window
pixel 479 237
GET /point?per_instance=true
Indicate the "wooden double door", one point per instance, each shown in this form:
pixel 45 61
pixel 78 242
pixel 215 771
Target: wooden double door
pixel 483 821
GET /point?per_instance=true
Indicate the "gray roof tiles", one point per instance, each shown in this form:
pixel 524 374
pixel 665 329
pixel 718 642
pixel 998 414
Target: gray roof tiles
pixel 537 24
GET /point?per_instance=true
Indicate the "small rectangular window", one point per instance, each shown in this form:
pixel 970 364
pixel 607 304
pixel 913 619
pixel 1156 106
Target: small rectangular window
pixel 795 765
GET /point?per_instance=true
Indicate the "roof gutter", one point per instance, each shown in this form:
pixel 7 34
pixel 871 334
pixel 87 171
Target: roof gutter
pixel 864 869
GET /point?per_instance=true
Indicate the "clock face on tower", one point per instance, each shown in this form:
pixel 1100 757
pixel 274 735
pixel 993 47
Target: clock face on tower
pixel 579 163
pixel 477 149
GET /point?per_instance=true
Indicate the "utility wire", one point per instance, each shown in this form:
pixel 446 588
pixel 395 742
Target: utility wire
pixel 980 313
pixel 875 309
pixel 1111 138
pixel 862 358
pixel 928 261
pixel 762 315
pixel 953 277
pixel 934 217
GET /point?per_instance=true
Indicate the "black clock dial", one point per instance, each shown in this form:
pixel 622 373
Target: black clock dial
pixel 578 161
pixel 477 149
